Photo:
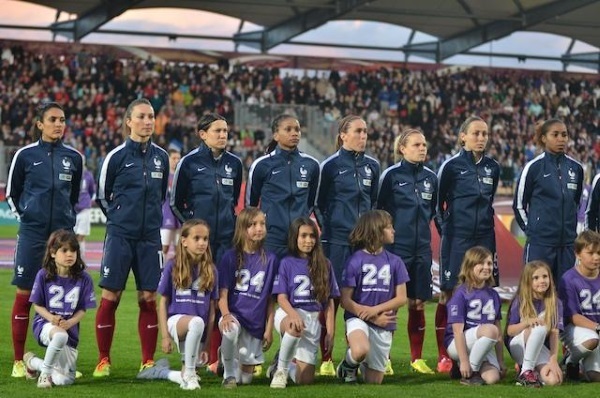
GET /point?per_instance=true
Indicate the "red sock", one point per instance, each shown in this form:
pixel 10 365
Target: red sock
pixel 441 319
pixel 215 343
pixel 148 329
pixel 324 357
pixel 105 327
pixel 416 333
pixel 20 323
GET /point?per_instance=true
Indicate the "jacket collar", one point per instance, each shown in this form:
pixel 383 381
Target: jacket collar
pixel 282 152
pixel 555 158
pixel 351 154
pixel 49 145
pixel 205 150
pixel 138 146
pixel 469 157
pixel 413 167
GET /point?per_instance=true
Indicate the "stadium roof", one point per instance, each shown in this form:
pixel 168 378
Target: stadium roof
pixel 459 25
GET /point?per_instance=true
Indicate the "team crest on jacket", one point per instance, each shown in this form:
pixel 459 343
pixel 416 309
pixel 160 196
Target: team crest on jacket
pixel 572 184
pixel 303 175
pixel 426 194
pixel 303 172
pixel 572 174
pixel 158 166
pixel 368 174
pixel 228 170
pixel 427 185
pixel 488 171
pixel 66 171
pixel 66 163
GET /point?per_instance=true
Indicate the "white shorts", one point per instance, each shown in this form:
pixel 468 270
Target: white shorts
pixel 169 237
pixel 471 338
pixel 380 342
pixel 249 347
pixel 309 342
pixel 63 371
pixel 575 336
pixel 83 223
pixel 172 328
pixel 517 350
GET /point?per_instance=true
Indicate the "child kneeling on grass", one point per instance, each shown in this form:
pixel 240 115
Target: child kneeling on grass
pixel 373 288
pixel 61 294
pixel 189 291
pixel 305 287
pixel 535 318
pixel 579 289
pixel 473 329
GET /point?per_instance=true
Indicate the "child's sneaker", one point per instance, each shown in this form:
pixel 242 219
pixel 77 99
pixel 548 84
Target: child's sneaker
pixel 18 369
pixel 444 365
pixel 420 366
pixel 346 373
pixel 528 379
pixel 455 370
pixel 279 379
pixel 474 380
pixel 30 373
pixel 389 370
pixel 190 382
pixel 44 381
pixel 230 382
pixel 103 368
pixel 327 368
pixel 273 366
pixel 572 371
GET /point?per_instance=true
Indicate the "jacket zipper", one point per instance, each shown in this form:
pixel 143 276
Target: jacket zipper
pixel 145 173
pixel 53 176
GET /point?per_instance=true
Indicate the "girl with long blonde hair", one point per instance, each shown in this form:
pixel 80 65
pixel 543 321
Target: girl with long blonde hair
pixel 188 289
pixel 534 318
pixel 473 329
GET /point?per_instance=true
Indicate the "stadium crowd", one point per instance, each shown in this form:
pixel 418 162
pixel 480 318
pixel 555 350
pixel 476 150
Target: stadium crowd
pixel 95 89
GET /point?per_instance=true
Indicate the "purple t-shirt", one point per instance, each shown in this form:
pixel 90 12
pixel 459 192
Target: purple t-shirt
pixel 62 296
pixel 249 288
pixel 169 219
pixel 188 301
pixel 579 295
pixel 472 307
pixel 294 281
pixel 514 317
pixel 87 191
pixel 374 279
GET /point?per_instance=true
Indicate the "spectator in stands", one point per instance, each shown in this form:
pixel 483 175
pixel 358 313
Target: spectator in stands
pixel 433 100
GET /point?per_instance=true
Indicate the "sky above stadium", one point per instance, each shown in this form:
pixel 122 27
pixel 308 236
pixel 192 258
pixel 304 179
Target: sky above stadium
pixel 343 32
